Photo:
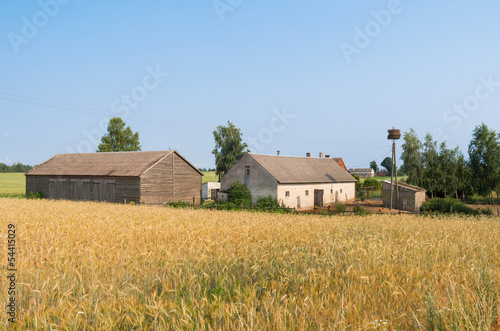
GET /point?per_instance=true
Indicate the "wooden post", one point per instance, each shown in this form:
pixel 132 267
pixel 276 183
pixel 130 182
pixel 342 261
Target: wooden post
pixel 125 201
pixel 392 172
pixel 451 209
pixel 194 201
pixel 498 211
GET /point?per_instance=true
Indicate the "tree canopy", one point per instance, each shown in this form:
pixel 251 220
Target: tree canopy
pixel 229 147
pixel 484 160
pixel 374 166
pixel 387 163
pixel 119 138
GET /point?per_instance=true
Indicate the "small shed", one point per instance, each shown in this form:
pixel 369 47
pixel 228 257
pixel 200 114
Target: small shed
pixel 139 177
pixel 411 197
pixel 209 190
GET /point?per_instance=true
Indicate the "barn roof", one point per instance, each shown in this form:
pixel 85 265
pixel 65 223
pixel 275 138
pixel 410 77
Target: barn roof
pixel 288 169
pixel 119 164
pixel 363 170
pixel 406 186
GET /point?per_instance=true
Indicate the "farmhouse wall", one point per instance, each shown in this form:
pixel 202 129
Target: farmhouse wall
pixel 259 181
pixel 333 193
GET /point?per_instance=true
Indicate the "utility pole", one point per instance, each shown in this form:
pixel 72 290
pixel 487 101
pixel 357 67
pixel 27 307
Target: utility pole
pixel 394 135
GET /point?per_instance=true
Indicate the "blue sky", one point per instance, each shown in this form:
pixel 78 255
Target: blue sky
pixel 295 76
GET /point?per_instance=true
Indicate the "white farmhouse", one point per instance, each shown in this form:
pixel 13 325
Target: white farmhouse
pixel 298 182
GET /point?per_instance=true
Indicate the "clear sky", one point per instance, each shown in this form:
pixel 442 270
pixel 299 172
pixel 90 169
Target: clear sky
pixel 295 76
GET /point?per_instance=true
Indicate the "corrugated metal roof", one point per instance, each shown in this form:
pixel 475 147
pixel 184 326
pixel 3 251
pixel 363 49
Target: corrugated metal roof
pixel 120 164
pixel 288 169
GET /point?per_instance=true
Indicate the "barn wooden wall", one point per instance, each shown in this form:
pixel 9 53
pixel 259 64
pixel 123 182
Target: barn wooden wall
pixel 171 179
pixel 110 189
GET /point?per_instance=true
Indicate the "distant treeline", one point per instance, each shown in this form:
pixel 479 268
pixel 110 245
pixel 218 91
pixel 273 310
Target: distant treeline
pixel 16 167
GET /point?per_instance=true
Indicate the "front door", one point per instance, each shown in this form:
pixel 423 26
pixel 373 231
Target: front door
pixel 318 198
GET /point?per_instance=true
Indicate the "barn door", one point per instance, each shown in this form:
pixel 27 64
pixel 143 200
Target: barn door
pixel 110 191
pixel 318 198
pixel 53 189
pixel 97 190
pixel 86 189
pixel 74 189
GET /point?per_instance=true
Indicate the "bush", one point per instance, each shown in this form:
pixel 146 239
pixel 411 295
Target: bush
pixel 178 204
pixel 37 195
pixel 358 210
pixel 486 211
pixel 372 182
pixel 446 205
pixel 268 202
pixel 238 194
pixel 340 208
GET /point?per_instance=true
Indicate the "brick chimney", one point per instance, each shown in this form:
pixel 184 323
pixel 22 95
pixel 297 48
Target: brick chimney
pixel 321 155
pixel 278 153
pixel 308 154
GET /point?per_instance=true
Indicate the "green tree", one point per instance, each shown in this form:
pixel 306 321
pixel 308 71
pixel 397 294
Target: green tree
pixel 374 166
pixel 412 158
pixel 484 160
pixel 448 165
pixel 430 161
pixel 387 163
pixel 119 138
pixel 464 177
pixel 229 147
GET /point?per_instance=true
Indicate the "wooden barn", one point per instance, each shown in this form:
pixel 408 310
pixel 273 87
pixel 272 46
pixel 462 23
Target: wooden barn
pixel 139 177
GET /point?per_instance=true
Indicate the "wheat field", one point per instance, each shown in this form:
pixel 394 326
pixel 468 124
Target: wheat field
pixel 96 266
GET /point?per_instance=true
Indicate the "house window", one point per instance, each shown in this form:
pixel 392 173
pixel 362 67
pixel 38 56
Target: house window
pixel 247 170
pixel 331 191
pixel 287 193
pixel 307 192
pixel 340 190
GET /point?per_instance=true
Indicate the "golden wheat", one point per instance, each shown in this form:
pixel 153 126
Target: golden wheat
pixel 94 266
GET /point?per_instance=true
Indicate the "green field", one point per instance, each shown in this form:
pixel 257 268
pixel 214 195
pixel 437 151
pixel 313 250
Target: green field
pixel 210 176
pixel 12 184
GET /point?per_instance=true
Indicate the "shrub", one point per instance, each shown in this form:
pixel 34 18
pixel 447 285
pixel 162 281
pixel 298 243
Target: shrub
pixel 372 182
pixel 178 204
pixel 363 197
pixel 37 195
pixel 238 194
pixel 446 205
pixel 268 202
pixel 340 208
pixel 358 210
pixel 486 211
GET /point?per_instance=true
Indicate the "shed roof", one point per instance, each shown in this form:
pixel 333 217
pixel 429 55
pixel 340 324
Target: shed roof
pixel 406 186
pixel 113 164
pixel 288 169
